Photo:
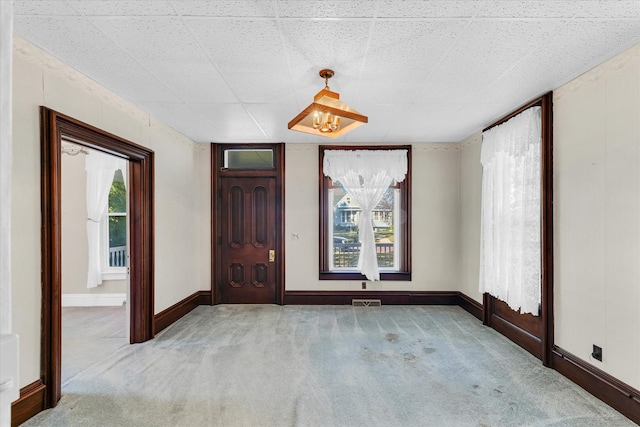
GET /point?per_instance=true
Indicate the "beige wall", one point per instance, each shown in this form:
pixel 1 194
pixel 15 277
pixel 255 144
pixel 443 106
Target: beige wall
pixel 470 194
pixel 435 239
pixel 597 215
pixel 182 222
pixel 74 232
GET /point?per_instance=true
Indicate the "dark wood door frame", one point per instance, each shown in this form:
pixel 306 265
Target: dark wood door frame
pixel 538 338
pixel 218 172
pixel 53 127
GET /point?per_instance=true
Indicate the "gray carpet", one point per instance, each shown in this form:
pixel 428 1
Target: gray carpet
pixel 88 335
pixel 325 366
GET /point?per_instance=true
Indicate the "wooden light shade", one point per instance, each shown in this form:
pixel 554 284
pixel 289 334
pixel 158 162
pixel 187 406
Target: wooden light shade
pixel 324 102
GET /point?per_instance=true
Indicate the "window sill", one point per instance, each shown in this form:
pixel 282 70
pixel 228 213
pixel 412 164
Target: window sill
pixel 384 276
pixel 115 274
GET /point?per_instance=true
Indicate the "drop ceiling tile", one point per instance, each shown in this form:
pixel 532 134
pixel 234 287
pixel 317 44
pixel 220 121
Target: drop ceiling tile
pixel 530 9
pixel 560 9
pixel 326 9
pixel 261 87
pixel 272 118
pixel 194 83
pixel 485 52
pixel 152 38
pixel 122 8
pixel 608 9
pixel 409 46
pixel 226 9
pixel 186 120
pixel 42 7
pixel 313 45
pixel 427 9
pixel 232 120
pixel 239 45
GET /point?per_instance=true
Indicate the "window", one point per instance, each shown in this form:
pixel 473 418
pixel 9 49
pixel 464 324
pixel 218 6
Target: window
pixel 339 226
pixel 114 231
pixel 248 158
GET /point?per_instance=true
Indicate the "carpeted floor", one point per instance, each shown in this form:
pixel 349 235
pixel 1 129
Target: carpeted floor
pixel 248 365
pixel 89 334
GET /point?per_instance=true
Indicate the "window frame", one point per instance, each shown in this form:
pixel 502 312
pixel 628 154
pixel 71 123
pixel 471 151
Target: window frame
pixel 404 272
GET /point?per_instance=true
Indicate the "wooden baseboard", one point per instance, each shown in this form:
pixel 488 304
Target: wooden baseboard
pixel 519 336
pixel 470 305
pixel 30 402
pixel 167 317
pixel 620 396
pixel 385 297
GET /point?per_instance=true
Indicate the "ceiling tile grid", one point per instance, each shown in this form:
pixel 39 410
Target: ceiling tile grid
pixel 238 71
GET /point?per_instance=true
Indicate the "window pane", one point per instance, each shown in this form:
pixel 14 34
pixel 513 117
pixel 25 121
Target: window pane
pixel 345 215
pixel 248 158
pixel 117 240
pixel 118 194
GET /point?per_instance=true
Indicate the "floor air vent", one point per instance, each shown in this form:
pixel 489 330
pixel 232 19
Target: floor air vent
pixel 366 302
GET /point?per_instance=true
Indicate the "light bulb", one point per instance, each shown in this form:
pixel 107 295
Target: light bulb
pixel 335 125
pixel 316 120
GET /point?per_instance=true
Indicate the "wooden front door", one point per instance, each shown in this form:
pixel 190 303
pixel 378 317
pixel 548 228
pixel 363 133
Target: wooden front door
pixel 248 240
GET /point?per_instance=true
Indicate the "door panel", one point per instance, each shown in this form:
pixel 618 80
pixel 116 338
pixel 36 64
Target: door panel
pixel 248 234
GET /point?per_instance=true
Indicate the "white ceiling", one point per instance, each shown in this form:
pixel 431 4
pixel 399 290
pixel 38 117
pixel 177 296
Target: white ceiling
pixel 239 71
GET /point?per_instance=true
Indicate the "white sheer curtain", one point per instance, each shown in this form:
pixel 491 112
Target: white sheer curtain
pixel 366 175
pixel 100 169
pixel 510 224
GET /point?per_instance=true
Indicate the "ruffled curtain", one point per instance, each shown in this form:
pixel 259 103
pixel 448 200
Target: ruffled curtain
pixel 366 175
pixel 100 169
pixel 510 222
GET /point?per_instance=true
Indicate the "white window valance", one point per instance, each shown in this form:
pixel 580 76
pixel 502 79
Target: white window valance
pixel 366 175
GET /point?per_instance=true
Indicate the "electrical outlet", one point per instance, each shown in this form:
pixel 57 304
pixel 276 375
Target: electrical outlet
pixel 364 285
pixel 597 353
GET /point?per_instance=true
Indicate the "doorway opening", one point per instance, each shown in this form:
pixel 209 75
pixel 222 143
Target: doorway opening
pixel 54 128
pixel 95 283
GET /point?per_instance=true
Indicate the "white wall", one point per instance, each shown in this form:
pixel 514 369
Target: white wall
pixel 470 195
pixel 182 254
pixel 597 215
pixel 435 237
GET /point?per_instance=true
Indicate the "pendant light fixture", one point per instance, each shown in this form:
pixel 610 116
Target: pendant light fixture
pixel 327 115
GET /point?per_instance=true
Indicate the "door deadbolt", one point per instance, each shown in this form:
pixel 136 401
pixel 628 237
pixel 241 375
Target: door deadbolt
pixel 272 255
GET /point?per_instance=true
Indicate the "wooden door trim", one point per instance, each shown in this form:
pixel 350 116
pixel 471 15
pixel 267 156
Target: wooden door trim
pixel 217 172
pixel 520 332
pixel 53 127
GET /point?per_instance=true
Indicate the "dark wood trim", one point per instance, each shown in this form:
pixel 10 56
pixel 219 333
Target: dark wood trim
pixel 30 403
pixel 526 330
pixel 215 224
pixel 386 297
pixel 470 305
pixel 54 126
pixel 405 269
pixel 217 173
pixel 546 216
pixel 170 315
pixel 620 396
pixel 518 335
